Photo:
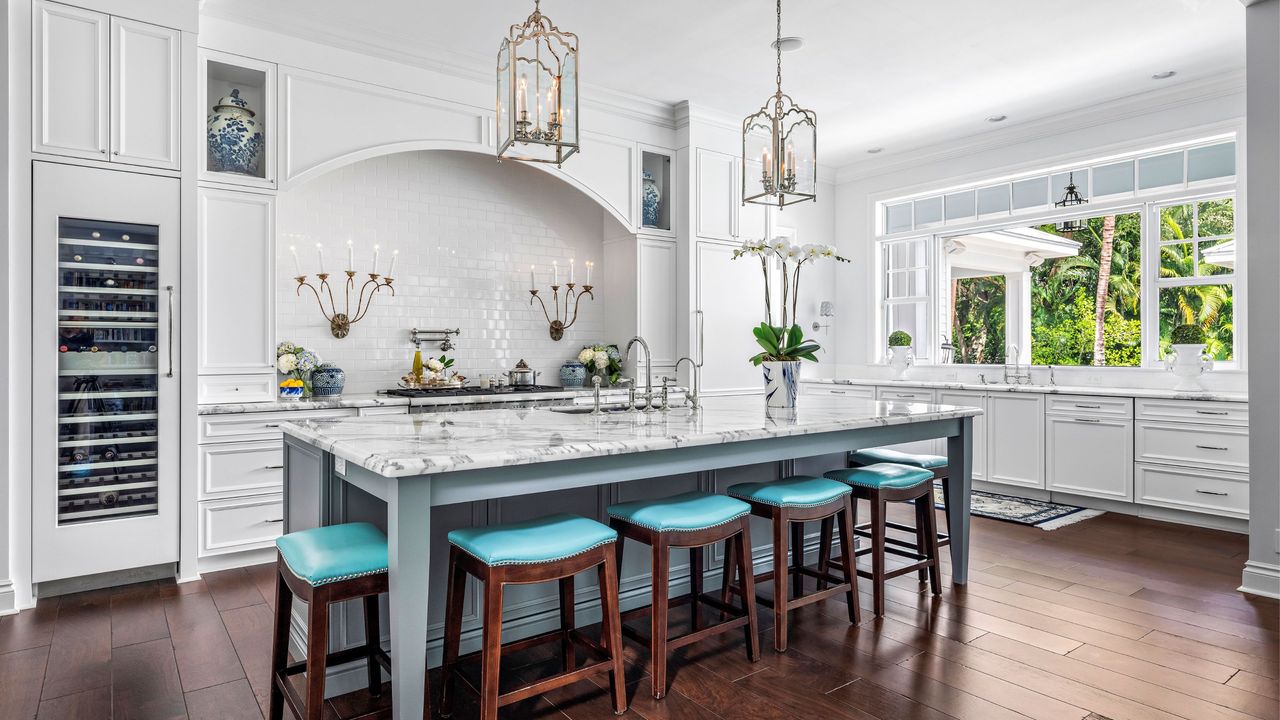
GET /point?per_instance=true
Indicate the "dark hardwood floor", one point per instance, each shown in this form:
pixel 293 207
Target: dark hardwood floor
pixel 1110 618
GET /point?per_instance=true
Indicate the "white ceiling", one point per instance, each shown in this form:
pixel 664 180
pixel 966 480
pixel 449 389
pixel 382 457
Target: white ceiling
pixel 899 74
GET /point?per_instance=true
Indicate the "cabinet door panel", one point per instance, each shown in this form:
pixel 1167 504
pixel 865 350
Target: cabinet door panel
pixel 1090 456
pixel 716 197
pixel 144 94
pixel 236 283
pixel 70 81
pixel 1016 439
pixel 657 291
pixel 730 293
pixel 971 398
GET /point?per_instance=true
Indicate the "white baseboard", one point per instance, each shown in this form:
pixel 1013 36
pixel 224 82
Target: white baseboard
pixel 8 598
pixel 230 561
pixel 1261 578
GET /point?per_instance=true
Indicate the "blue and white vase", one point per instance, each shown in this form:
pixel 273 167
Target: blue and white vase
pixel 328 381
pixel 652 201
pixel 573 374
pixel 235 138
pixel 781 383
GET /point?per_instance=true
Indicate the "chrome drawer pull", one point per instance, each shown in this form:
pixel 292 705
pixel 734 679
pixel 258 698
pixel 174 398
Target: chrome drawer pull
pixel 272 425
pixel 838 392
pixel 1210 447
pixel 273 467
pixel 1089 407
pixel 1088 420
pixel 1212 412
pixel 275 520
pixel 1211 492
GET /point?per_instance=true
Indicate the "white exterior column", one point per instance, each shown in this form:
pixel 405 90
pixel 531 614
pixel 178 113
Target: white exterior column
pixel 1017 315
pixel 1262 187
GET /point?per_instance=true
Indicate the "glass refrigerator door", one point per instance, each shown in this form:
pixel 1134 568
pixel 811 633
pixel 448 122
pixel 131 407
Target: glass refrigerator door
pixel 108 320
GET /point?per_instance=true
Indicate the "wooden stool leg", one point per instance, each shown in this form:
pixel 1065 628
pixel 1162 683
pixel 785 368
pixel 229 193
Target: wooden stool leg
pixel 695 584
pixel 373 640
pixel 611 628
pixel 454 600
pixel 730 570
pixel 780 573
pixel 491 659
pixel 747 581
pixel 567 623
pixel 922 575
pixel 929 520
pixel 280 647
pixel 317 652
pixel 878 508
pixel 824 550
pixel 850 570
pixel 946 502
pixel 658 629
pixel 797 558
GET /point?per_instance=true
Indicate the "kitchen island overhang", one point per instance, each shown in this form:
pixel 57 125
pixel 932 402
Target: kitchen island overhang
pixel 414 463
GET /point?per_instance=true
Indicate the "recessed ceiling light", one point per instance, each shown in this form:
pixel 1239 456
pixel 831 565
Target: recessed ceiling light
pixel 1164 75
pixel 874 150
pixel 996 118
pixel 789 44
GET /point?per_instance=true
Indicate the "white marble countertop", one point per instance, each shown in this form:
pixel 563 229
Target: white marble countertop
pixel 363 400
pixel 406 445
pixel 1157 393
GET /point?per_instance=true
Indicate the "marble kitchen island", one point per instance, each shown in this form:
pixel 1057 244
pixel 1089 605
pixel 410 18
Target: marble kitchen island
pixel 394 470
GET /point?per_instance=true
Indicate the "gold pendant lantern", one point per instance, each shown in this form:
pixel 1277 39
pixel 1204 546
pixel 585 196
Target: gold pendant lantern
pixel 780 147
pixel 538 92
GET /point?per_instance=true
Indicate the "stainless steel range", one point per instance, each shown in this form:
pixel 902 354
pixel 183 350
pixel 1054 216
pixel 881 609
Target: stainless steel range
pixel 470 390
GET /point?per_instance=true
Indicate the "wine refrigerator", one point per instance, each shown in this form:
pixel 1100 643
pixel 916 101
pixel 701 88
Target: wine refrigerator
pixel 105 393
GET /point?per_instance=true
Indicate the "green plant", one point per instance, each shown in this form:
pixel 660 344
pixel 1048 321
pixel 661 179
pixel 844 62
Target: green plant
pixel 783 344
pixel 899 338
pixel 446 362
pixel 1187 335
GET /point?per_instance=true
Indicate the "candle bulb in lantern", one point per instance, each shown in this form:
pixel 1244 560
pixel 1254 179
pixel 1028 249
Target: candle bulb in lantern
pixel 297 267
pixel 522 98
pixel 320 256
pixel 391 272
pixel 764 160
pixel 791 157
pixel 351 257
pixel 375 260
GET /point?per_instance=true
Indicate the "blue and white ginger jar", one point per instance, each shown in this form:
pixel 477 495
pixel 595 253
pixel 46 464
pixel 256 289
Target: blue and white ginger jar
pixel 652 201
pixel 235 138
pixel 327 380
pixel 573 374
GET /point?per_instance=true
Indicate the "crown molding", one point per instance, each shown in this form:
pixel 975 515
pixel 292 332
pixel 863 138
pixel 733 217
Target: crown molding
pixel 474 67
pixel 1217 87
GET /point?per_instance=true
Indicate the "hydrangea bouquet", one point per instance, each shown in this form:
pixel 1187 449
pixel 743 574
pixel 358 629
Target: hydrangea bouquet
pixel 602 360
pixel 296 363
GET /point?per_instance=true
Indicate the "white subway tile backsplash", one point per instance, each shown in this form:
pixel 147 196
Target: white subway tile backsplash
pixel 467 229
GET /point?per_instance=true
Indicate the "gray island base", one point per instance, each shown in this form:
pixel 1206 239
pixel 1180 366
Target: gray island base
pixel 402 472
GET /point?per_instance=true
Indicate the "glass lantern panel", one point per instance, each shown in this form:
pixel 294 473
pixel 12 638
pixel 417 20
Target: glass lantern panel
pixel 569 98
pixel 757 155
pixel 506 97
pixel 800 156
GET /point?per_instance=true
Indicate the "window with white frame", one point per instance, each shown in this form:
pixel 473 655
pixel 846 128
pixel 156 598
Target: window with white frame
pixel 905 291
pixel 1195 283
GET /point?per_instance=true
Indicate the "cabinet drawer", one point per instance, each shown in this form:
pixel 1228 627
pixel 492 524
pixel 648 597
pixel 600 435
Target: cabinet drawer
pixel 906 394
pixel 1200 411
pixel 1223 448
pixel 242 524
pixel 258 425
pixel 237 469
pixel 393 410
pixel 1105 470
pixel 1089 406
pixel 214 389
pixel 1189 489
pixel 861 392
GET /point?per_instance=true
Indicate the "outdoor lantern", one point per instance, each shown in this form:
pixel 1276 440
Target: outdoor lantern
pixel 1070 199
pixel 538 92
pixel 779 147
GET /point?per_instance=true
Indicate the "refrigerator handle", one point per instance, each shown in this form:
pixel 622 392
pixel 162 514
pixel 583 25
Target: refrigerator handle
pixel 170 289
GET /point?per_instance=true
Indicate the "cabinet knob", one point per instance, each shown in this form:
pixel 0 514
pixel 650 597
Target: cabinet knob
pixel 117 152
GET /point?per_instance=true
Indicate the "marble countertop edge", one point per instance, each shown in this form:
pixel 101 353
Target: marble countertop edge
pixel 1103 391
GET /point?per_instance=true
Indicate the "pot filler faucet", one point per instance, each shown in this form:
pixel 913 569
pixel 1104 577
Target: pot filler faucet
pixel 648 369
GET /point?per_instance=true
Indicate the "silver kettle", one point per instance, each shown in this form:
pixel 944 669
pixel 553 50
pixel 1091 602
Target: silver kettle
pixel 522 374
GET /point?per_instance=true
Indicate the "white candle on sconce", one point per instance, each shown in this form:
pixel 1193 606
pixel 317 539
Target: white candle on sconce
pixel 391 272
pixel 589 266
pixel 570 271
pixel 533 283
pixel 351 256
pixel 375 260
pixel 297 267
pixel 320 256
pixel 555 273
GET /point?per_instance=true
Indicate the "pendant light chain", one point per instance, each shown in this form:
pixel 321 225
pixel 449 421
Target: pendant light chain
pixel 778 48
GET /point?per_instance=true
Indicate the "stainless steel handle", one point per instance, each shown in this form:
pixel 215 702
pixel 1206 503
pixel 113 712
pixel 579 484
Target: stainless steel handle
pixel 1212 412
pixel 272 425
pixel 274 520
pixel 1211 492
pixel 273 467
pixel 1088 420
pixel 1089 407
pixel 838 392
pixel 1210 447
pixel 909 396
pixel 701 317
pixel 169 288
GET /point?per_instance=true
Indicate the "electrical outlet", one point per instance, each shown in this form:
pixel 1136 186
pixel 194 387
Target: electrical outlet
pixel 340 465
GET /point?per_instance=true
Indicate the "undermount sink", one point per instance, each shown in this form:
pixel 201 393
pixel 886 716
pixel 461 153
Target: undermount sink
pixel 586 409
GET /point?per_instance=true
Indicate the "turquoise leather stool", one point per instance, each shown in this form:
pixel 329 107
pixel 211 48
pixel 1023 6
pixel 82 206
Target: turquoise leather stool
pixel 881 484
pixel 790 503
pixel 555 547
pixel 936 463
pixel 321 566
pixel 692 520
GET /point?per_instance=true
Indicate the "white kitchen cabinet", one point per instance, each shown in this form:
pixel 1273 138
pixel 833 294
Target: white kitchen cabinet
pixel 145 98
pixel 909 394
pixel 971 398
pixel 853 392
pixel 1015 423
pixel 1194 489
pixel 716 214
pixel 71 83
pixel 1089 456
pixel 640 293
pixel 730 293
pixel 104 88
pixel 236 266
pixel 1193 444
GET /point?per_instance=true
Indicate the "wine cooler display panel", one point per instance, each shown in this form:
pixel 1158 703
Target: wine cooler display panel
pixel 108 322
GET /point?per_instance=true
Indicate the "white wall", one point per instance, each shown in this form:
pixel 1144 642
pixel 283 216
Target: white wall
pixel 1262 574
pixel 1161 119
pixel 467 229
